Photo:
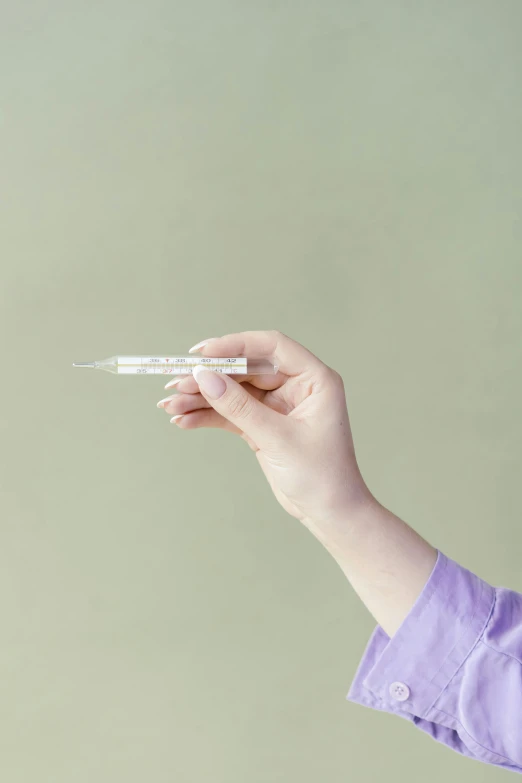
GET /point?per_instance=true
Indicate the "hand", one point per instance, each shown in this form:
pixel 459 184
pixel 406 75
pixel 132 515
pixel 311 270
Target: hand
pixel 296 422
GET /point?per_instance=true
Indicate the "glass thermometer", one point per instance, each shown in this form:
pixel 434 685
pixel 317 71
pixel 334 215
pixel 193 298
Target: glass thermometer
pixel 180 365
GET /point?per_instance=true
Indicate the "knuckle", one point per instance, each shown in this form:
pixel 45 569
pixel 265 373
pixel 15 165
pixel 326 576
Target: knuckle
pixel 333 378
pixel 240 406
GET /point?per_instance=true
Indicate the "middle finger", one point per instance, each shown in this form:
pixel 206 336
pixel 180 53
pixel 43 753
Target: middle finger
pixel 183 403
pixel 268 382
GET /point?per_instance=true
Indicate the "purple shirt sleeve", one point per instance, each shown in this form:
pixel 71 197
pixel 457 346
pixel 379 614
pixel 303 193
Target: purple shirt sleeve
pixel 454 667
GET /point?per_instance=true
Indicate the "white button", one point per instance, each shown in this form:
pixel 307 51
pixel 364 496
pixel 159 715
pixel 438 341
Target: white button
pixel 399 691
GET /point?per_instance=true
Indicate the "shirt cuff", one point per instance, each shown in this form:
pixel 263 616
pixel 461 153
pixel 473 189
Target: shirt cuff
pixel 407 673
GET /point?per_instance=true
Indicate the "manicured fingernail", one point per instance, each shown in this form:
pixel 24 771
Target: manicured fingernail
pixel 161 403
pixel 210 382
pixel 170 384
pixel 179 416
pixel 200 345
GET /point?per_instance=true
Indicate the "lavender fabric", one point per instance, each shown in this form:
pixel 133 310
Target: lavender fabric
pixel 454 667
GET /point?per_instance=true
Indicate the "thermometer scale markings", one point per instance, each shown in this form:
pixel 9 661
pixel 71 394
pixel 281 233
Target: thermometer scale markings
pixel 180 365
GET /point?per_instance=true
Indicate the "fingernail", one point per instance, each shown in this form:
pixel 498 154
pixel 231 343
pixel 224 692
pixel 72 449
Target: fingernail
pixel 170 384
pixel 179 416
pixel 161 403
pixel 200 345
pixel 210 382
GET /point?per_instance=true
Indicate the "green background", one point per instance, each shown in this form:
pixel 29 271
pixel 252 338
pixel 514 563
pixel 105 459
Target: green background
pixel 346 172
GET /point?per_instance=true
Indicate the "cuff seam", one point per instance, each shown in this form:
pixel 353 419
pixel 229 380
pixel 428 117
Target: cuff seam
pixel 465 658
pixel 465 631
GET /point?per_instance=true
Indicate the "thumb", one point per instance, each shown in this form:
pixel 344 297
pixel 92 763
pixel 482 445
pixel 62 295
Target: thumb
pixel 235 404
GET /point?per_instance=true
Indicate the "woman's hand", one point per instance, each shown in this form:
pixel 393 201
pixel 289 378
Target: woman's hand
pixel 296 422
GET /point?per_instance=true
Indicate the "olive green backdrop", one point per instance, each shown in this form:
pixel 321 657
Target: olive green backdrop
pixel 346 172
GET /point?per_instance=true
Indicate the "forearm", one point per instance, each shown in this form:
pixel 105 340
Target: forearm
pixel 386 562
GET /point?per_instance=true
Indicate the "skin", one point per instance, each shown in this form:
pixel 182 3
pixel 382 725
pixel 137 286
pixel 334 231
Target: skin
pixel 296 422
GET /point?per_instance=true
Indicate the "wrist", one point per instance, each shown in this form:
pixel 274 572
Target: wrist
pixel 340 525
pixel 384 559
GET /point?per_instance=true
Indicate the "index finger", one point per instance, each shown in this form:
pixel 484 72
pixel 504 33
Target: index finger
pixel 291 357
